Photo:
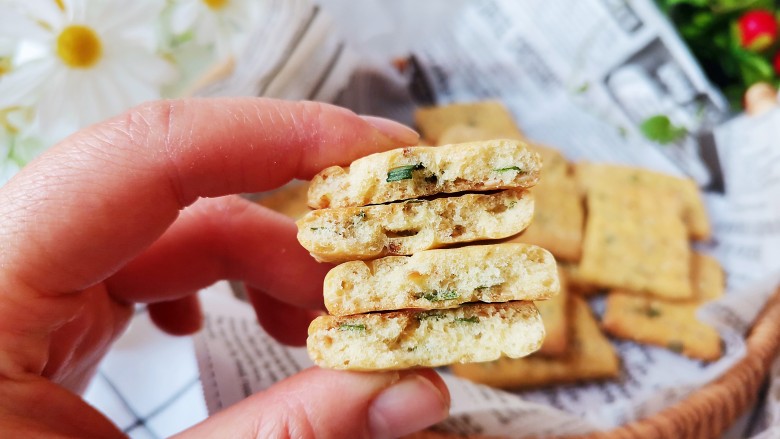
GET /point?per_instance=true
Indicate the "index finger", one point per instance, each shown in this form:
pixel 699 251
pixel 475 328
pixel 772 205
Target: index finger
pixel 96 200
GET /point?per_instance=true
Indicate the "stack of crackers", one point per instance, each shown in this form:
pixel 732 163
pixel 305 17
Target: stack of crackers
pixel 615 230
pixel 398 299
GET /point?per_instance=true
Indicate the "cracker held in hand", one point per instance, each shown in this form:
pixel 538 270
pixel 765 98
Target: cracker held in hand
pixel 591 356
pixel 446 278
pixel 350 233
pixel 405 339
pixel 417 172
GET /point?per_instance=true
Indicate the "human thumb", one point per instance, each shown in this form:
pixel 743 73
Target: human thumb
pixel 334 404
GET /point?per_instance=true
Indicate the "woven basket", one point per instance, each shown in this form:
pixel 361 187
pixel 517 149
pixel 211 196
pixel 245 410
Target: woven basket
pixel 712 409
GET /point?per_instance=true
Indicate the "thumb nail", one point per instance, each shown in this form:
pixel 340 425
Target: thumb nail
pixel 409 405
pixel 394 130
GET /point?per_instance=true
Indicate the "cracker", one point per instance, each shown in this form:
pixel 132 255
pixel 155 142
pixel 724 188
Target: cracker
pixel 555 165
pixel 556 316
pixel 672 325
pixel 462 134
pixel 491 117
pixel 591 356
pixel 417 172
pixel 445 278
pixel 558 219
pixel 405 339
pixel 288 200
pixel 684 190
pixel 350 233
pixel 635 239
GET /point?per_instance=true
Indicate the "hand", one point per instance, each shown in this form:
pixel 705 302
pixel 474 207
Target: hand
pixel 113 215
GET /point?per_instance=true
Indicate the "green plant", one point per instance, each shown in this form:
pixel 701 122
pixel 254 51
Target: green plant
pixel 734 40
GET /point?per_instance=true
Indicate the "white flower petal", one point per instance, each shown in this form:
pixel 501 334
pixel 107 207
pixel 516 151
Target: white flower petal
pixel 15 25
pixel 183 16
pixel 142 14
pixel 77 11
pixel 143 65
pixel 45 11
pixel 21 86
pixel 53 118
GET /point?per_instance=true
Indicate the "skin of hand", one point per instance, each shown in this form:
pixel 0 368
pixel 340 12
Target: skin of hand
pixel 138 209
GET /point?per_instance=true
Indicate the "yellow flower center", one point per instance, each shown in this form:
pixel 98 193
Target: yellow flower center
pixel 216 4
pixel 79 46
pixel 5 65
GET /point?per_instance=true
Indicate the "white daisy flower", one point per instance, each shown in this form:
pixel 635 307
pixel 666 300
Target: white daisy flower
pixel 221 23
pixel 83 60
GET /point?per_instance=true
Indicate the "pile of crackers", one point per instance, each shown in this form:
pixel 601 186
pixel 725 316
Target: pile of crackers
pixel 617 231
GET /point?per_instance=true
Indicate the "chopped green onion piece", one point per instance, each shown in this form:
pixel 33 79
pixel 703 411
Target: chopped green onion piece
pixel 402 172
pixel 438 296
pixel 510 168
pixel 348 327
pixel 676 346
pixel 430 315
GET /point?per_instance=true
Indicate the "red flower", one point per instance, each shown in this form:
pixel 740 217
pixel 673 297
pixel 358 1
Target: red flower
pixel 757 30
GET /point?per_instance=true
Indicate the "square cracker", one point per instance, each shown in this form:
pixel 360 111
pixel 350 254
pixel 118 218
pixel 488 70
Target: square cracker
pixel 492 117
pixel 672 325
pixel 593 175
pixel 635 240
pixel 590 356
pixel 558 218
pixel 556 316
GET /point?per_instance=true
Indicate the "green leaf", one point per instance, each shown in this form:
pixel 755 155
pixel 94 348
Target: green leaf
pixel 472 319
pixel 402 172
pixel 660 129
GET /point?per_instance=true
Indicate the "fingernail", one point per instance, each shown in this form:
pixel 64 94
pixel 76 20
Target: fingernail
pixel 393 130
pixel 408 406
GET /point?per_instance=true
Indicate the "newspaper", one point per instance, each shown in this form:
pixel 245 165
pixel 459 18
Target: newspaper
pixel 581 75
